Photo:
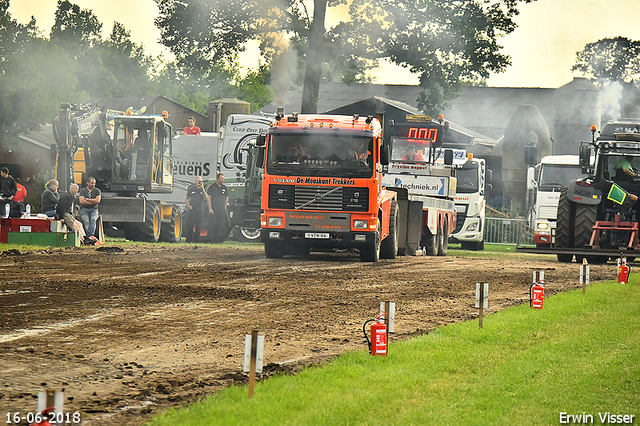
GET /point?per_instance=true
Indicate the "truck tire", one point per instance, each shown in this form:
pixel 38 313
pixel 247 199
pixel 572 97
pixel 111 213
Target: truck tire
pixel 246 235
pixel 389 246
pixel 564 226
pixel 171 232
pixel 149 230
pixel 371 253
pixel 273 250
pixel 430 242
pixel 443 241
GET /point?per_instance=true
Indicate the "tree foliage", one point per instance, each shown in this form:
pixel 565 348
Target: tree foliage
pixel 443 42
pixel 610 60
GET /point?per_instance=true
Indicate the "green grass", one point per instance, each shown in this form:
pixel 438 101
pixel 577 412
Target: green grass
pixel 524 367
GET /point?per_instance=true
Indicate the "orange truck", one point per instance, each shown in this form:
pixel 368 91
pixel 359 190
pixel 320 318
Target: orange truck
pixel 322 187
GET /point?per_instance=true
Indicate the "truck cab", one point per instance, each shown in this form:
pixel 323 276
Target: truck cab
pixel 473 178
pixel 553 173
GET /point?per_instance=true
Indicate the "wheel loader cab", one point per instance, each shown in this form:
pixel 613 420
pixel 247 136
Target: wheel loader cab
pixel 142 157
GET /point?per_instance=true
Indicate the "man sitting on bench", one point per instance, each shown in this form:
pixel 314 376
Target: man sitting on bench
pixel 66 208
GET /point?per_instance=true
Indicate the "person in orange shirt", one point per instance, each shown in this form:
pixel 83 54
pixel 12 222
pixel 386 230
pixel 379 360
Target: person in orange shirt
pixel 411 155
pixel 192 129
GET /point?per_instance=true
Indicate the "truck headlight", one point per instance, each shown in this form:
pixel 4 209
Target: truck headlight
pixel 543 225
pixel 275 221
pixel 360 224
pixel 472 227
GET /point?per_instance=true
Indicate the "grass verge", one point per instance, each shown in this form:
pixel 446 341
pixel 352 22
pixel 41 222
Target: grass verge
pixel 577 355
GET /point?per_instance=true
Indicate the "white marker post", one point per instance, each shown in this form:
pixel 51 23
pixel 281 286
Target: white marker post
pixel 482 299
pixel 50 398
pixel 253 357
pixel 389 308
pixel 584 275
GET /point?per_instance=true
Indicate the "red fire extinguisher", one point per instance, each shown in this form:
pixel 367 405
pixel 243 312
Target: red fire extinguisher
pixel 378 343
pixel 537 294
pixel 45 418
pixel 623 271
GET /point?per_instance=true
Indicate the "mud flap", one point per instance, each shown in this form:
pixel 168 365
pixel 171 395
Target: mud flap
pixel 414 227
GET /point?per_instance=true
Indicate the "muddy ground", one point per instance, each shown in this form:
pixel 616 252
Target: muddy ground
pixel 129 330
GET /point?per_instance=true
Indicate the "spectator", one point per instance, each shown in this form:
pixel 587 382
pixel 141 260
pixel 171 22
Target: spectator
pixel 66 208
pixel 49 198
pixel 218 200
pixel 192 129
pixel 90 197
pixel 17 207
pixel 8 189
pixel 196 201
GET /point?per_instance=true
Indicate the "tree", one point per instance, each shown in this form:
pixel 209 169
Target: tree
pixel 443 42
pixel 610 60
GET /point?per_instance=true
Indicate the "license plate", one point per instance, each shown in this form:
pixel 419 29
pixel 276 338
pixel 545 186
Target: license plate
pixel 317 235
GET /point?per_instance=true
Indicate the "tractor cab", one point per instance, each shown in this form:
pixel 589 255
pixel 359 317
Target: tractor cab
pixel 141 156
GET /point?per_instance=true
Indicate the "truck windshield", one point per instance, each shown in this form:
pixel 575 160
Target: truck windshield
pixel 409 150
pixel 553 177
pixel 318 155
pixel 467 180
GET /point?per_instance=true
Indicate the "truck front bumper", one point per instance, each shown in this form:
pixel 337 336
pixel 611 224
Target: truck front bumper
pixel 331 239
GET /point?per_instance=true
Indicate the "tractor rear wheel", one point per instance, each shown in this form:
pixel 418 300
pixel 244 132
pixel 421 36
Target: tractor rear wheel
pixel 564 225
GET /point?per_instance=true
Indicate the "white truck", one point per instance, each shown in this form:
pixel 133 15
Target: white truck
pixel 473 181
pixel 552 174
pixel 415 148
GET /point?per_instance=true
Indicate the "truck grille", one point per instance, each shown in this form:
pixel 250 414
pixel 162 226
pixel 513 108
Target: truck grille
pixel 341 199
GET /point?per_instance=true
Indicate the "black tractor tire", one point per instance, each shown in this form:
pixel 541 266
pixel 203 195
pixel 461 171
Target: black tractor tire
pixel 564 225
pixel 584 220
pixel 171 232
pixel 246 235
pixel 430 242
pixel 273 250
pixel 586 216
pixel 389 246
pixel 149 230
pixel 371 253
pixel 443 241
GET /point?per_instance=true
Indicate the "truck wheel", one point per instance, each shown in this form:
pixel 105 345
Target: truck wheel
pixel 443 241
pixel 564 225
pixel 171 232
pixel 389 247
pixel 371 253
pixel 273 250
pixel 246 235
pixel 430 242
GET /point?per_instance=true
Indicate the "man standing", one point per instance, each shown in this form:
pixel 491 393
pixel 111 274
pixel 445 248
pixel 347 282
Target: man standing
pixel 8 189
pixel 192 129
pixel 65 209
pixel 90 197
pixel 218 200
pixel 196 200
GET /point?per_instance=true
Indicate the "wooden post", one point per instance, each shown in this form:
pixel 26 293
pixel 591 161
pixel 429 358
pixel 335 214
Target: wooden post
pixel 481 304
pixel 481 299
pixel 584 275
pixel 252 365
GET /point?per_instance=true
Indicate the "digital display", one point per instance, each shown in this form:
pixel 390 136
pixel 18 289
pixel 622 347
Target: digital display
pixel 419 134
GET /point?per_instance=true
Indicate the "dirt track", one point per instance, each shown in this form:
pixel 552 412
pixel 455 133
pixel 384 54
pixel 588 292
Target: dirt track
pixel 129 330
